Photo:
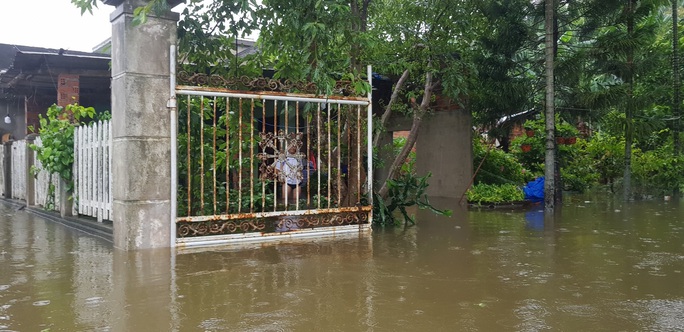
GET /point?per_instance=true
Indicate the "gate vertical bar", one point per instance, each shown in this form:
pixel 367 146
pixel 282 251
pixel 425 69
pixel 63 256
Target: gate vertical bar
pixel 318 149
pixel 339 156
pixel 369 114
pixel 348 160
pixel 308 156
pixel 213 153
pixel 285 150
pixel 201 144
pixel 329 129
pixel 189 198
pixel 304 162
pixel 263 130
pixel 275 133
pixel 251 158
pixel 174 144
pixel 239 145
pixel 227 155
pixel 358 154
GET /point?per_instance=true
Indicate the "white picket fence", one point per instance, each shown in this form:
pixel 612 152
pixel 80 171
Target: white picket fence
pixel 92 170
pixel 2 170
pixel 19 169
pixel 43 181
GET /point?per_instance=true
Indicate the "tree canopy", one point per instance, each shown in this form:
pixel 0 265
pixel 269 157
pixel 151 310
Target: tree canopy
pixel 612 59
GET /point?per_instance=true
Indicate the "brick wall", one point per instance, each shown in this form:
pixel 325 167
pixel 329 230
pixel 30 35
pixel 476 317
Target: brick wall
pixel 67 89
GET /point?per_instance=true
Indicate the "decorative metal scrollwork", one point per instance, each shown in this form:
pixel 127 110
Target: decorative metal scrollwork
pixel 285 151
pixel 278 224
pixel 343 88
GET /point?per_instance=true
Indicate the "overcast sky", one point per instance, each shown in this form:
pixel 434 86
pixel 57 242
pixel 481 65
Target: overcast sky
pixel 53 24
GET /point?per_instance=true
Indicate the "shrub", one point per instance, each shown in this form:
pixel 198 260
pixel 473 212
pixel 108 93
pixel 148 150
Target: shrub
pixel 490 193
pixel 657 172
pixel 579 173
pixel 499 167
pixel 405 191
pixel 608 155
pixel 56 154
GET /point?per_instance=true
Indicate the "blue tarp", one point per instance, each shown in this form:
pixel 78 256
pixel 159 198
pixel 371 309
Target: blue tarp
pixel 534 190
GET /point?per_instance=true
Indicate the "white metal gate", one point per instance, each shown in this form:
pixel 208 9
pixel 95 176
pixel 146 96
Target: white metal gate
pixel 257 165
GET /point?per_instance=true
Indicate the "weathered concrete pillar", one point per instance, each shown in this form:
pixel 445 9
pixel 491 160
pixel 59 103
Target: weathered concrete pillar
pixel 141 170
pixel 444 147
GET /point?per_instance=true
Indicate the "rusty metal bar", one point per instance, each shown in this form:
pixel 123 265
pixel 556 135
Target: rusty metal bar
pixel 227 154
pixel 305 169
pixel 234 216
pixel 267 95
pixel 188 158
pixel 239 144
pixel 286 151
pixel 251 158
pixel 263 130
pixel 329 129
pixel 348 160
pixel 308 156
pixel 358 154
pixel 339 156
pixel 214 154
pixel 318 149
pixel 369 147
pixel 201 114
pixel 275 133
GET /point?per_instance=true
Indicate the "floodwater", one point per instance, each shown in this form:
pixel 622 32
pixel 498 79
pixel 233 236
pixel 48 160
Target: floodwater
pixel 596 266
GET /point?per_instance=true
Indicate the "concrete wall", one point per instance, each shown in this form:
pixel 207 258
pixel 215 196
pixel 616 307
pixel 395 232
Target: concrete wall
pixel 444 148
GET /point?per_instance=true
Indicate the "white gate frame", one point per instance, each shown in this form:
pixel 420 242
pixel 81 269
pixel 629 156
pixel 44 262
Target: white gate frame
pixel 174 90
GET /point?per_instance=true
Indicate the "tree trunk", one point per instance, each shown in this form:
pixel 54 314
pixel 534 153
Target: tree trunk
pixel 419 113
pixel 629 118
pixel 549 157
pixel 388 110
pixel 675 87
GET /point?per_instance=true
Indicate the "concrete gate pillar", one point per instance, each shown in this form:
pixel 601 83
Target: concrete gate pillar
pixel 141 167
pixel 444 147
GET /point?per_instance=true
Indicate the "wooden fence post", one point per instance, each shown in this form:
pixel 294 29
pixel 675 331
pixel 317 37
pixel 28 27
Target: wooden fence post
pixel 30 179
pixel 7 157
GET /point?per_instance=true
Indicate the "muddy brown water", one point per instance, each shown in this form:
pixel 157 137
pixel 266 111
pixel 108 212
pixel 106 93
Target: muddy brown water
pixel 596 266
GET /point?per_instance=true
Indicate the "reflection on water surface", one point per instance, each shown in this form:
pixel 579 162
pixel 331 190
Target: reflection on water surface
pixel 594 266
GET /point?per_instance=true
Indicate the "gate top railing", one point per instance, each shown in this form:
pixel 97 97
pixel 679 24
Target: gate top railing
pixel 267 154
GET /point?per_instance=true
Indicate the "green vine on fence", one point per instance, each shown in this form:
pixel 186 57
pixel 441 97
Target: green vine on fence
pixel 56 154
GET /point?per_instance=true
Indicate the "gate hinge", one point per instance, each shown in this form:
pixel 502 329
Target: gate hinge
pixel 171 103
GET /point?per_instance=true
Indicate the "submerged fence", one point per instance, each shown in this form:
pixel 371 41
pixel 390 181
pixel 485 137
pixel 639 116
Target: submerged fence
pixel 92 169
pixel 47 185
pixel 92 192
